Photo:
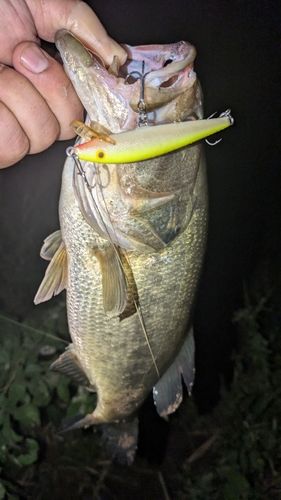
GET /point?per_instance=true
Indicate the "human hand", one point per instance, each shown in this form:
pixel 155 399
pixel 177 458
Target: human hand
pixel 37 100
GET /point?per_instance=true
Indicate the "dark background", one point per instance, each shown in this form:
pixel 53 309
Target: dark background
pixel 238 64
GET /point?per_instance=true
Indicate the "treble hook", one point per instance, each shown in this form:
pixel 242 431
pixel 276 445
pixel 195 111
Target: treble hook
pixel 141 104
pixel 222 115
pixel 70 152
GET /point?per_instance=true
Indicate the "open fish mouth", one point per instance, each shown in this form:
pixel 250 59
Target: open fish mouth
pixel 167 72
pixel 111 96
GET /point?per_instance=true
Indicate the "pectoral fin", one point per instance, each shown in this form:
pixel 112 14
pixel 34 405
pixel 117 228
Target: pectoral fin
pixel 55 278
pixel 51 244
pixel 68 364
pixel 114 285
pixel 167 393
pixel 132 293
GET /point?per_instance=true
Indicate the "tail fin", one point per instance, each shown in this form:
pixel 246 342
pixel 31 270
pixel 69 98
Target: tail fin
pixel 121 440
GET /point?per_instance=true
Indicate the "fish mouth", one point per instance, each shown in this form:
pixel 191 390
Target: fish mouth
pixel 168 69
pixel 170 83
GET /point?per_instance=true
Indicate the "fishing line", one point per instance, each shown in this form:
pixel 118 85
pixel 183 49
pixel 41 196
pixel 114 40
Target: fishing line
pixel 35 330
pixel 138 309
pixel 82 172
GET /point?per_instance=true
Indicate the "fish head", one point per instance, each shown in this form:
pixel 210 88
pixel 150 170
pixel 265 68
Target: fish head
pixel 171 89
pixel 143 206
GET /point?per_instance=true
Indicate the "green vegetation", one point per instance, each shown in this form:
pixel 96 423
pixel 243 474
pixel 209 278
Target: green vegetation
pixel 33 401
pixel 241 458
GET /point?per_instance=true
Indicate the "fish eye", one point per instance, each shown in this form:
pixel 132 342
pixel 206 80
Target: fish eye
pixel 100 154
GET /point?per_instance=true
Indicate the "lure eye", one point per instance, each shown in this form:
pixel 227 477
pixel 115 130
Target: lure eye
pixel 100 153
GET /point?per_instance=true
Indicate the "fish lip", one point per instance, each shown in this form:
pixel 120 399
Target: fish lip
pixel 60 33
pixel 65 41
pixel 180 57
pixel 89 77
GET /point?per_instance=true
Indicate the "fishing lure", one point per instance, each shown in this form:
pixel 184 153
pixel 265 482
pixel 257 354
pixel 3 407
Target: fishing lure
pixel 148 142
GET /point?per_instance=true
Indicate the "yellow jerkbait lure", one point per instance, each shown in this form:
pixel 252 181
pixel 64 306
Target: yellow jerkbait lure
pixel 148 142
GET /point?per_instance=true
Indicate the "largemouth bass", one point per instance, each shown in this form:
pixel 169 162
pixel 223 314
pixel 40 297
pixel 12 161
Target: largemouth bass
pixel 131 243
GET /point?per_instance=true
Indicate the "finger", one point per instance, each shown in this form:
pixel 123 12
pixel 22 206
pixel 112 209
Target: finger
pixel 29 108
pixel 78 18
pixel 84 24
pixel 14 143
pixel 16 25
pixel 47 76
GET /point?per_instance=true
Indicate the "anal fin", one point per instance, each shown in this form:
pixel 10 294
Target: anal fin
pixel 186 361
pixel 68 364
pixel 167 393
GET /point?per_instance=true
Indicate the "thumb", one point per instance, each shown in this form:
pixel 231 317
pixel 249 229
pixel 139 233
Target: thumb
pixel 78 18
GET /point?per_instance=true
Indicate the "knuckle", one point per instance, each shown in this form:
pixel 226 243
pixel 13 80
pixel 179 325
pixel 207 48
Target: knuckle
pixel 14 143
pixel 72 110
pixel 46 134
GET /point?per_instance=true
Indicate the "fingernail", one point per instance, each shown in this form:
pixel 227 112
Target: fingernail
pixel 33 59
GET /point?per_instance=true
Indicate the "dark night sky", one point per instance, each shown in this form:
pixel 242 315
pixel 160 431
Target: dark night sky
pixel 238 64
